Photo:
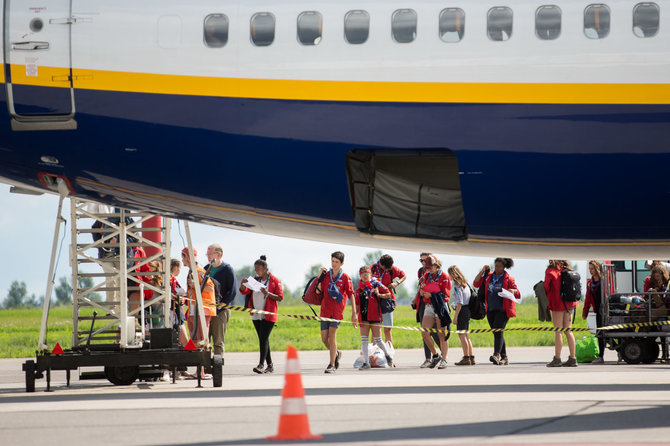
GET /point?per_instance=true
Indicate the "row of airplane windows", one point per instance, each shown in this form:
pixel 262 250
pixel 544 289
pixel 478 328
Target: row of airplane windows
pixel 451 25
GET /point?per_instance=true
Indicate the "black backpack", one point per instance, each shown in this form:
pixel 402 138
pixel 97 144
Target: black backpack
pixel 571 286
pixel 217 290
pixel 477 303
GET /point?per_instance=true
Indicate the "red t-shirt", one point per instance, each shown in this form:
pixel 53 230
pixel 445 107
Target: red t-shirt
pixel 330 307
pixel 374 306
pixel 386 277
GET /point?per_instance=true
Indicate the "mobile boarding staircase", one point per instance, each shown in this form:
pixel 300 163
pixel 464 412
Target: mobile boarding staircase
pixel 112 325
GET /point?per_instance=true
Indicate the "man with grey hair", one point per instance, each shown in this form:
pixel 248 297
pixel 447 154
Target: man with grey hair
pixel 224 275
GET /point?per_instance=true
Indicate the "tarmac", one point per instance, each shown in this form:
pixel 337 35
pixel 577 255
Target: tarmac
pixel 522 403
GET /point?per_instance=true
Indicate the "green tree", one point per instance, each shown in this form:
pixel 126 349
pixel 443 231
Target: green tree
pixel 372 257
pixel 17 295
pixel 33 301
pixel 313 271
pixel 63 292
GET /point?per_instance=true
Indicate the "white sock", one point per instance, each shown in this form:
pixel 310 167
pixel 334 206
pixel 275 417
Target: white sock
pixel 381 345
pixel 364 349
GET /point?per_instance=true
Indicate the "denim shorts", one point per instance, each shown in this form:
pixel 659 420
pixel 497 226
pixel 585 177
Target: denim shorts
pixel 387 319
pixel 325 325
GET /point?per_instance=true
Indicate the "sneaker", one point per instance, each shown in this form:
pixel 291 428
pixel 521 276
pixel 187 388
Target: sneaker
pixel 365 366
pixel 389 360
pixel 598 360
pixel 556 362
pixel 425 364
pixel 504 360
pixel 330 369
pixel 269 369
pixel 472 360
pixel 571 362
pixel 443 364
pixel 434 361
pixel 495 359
pixel 464 361
pixel 258 369
pixel 337 359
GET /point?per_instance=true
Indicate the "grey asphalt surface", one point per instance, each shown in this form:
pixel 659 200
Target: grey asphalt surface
pixel 524 402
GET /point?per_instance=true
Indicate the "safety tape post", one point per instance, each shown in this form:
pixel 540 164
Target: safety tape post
pixel 436 330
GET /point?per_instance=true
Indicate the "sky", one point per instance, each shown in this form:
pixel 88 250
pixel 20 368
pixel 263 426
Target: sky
pixel 27 228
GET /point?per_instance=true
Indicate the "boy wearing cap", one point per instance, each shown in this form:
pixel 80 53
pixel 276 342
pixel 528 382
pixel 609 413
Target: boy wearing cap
pixel 368 295
pixel 336 287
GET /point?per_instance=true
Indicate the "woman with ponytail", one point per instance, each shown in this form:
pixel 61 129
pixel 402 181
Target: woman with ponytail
pixel 266 299
pixel 499 310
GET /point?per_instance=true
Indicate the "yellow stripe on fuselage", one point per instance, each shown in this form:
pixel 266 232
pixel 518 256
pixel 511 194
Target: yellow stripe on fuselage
pixel 365 91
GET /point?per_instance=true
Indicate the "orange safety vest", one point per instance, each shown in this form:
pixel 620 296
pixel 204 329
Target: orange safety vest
pixel 208 296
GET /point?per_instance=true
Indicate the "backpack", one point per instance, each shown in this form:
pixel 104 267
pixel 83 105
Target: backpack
pixel 217 290
pixel 571 286
pixel 477 302
pixel 388 305
pixel 309 296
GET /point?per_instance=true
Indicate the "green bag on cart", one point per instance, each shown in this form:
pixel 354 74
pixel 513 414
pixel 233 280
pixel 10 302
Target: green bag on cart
pixel 587 349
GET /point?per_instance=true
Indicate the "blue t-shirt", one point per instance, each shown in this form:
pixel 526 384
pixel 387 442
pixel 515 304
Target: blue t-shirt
pixel 495 302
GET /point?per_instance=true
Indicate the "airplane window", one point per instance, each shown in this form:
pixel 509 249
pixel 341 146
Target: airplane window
pixel 310 27
pixel 596 21
pixel 645 19
pixel 403 25
pixel 263 29
pixel 499 23
pixel 215 34
pixel 548 22
pixel 452 24
pixel 356 27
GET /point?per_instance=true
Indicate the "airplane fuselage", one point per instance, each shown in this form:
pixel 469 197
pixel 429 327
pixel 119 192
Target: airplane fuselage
pixel 477 127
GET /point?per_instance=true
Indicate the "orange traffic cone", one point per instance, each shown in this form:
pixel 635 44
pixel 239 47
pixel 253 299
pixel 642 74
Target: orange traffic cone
pixel 293 422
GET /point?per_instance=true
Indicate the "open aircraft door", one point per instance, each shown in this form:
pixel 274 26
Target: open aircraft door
pixel 38 75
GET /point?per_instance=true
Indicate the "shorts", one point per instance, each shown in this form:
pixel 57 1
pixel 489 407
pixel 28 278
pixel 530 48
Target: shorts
pixel 463 322
pixel 429 311
pixel 325 325
pixel 387 319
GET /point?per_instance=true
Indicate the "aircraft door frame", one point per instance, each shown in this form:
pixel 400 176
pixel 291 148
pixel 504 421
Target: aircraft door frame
pixel 38 64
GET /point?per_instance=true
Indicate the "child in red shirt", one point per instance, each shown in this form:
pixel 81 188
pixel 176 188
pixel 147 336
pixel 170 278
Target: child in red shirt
pixel 368 295
pixel 336 287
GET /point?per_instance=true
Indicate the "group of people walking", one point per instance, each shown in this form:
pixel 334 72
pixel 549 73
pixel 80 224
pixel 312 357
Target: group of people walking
pixel 442 299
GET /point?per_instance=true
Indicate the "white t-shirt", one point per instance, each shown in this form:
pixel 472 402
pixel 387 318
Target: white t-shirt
pixel 460 295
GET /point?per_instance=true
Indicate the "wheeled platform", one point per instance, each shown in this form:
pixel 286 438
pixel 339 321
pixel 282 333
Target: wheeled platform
pixel 124 367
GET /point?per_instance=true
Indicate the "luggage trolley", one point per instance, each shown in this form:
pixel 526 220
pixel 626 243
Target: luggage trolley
pixel 634 345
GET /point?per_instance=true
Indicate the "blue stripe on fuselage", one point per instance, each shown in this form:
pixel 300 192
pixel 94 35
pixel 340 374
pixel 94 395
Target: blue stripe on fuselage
pixel 528 170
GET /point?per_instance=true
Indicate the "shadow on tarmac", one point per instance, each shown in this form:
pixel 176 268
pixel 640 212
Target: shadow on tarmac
pixel 641 418
pixel 146 393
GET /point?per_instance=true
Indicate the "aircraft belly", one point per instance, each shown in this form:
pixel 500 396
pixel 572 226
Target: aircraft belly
pixel 527 171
